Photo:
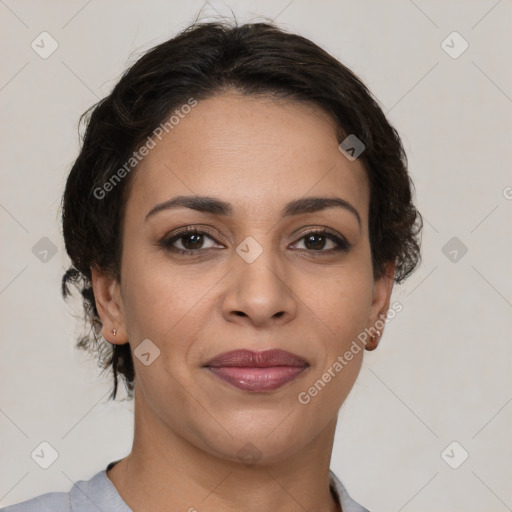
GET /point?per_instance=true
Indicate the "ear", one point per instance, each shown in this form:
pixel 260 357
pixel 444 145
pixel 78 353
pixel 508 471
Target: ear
pixel 382 289
pixel 109 305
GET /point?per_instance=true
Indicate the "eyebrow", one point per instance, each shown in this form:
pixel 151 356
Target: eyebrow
pixel 207 204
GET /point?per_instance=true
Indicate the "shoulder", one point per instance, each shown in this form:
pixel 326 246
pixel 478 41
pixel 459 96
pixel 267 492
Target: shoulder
pixel 51 502
pixel 85 496
pixel 347 503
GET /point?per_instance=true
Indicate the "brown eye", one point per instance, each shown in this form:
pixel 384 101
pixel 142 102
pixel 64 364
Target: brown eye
pixel 189 241
pixel 192 241
pixel 316 241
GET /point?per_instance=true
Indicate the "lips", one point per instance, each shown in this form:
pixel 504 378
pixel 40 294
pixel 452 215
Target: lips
pixel 257 371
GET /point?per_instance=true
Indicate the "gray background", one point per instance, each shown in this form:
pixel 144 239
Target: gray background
pixel 442 372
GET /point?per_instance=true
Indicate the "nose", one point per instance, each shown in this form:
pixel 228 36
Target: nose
pixel 259 293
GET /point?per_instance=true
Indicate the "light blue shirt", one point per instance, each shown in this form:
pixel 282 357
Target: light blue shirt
pixel 99 495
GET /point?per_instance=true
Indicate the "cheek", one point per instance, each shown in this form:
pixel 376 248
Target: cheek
pixel 148 297
pixel 341 305
pixel 164 303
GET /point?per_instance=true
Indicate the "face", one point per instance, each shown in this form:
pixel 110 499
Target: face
pixel 258 270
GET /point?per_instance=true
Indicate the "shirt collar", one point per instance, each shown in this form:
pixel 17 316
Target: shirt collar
pixel 101 491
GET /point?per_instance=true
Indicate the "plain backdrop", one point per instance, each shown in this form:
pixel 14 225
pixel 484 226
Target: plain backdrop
pixel 442 373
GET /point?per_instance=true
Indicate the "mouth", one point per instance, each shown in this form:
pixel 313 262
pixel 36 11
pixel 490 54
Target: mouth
pixel 257 371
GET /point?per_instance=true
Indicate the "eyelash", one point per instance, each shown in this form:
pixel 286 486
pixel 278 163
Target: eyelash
pixel 166 243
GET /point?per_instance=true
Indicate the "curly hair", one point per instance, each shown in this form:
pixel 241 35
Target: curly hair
pixel 201 61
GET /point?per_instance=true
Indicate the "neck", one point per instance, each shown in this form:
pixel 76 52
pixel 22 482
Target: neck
pixel 166 472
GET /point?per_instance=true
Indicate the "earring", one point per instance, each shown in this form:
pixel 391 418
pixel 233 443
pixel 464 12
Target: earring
pixel 377 335
pixel 114 331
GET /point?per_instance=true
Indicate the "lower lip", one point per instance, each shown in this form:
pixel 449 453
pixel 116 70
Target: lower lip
pixel 257 379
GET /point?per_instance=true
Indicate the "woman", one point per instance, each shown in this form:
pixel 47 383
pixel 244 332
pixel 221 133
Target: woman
pixel 236 219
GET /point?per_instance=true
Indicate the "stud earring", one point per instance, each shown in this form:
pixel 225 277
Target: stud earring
pixel 114 331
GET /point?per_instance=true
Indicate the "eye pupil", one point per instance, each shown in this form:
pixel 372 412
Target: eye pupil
pixel 310 238
pixel 196 239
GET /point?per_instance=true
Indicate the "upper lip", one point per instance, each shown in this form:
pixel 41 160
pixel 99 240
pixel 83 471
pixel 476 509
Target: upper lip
pixel 263 359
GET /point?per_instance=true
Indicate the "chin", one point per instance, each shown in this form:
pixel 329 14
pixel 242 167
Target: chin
pixel 259 442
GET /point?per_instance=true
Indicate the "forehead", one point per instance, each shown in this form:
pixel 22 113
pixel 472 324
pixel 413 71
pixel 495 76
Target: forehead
pixel 257 152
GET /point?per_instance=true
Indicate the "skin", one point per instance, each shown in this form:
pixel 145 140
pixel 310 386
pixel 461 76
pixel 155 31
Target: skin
pixel 257 153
